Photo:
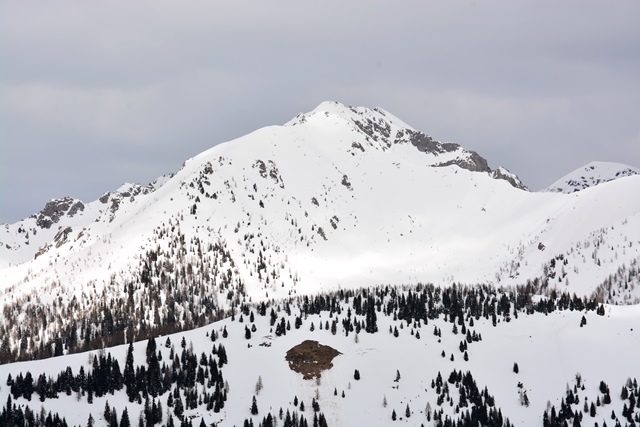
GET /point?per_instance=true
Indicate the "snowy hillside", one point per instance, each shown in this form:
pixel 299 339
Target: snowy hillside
pixel 593 174
pixel 338 198
pixel 422 356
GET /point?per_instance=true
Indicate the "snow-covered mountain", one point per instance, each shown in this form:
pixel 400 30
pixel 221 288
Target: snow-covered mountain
pixel 590 175
pixel 337 198
pixel 445 290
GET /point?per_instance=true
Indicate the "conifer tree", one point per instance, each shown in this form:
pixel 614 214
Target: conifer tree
pixel 107 411
pixel 151 348
pixel 113 420
pixel 371 319
pixel 259 385
pixel 254 406
pixel 124 421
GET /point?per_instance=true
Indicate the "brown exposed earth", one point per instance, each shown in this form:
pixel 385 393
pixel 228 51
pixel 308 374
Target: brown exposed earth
pixel 310 358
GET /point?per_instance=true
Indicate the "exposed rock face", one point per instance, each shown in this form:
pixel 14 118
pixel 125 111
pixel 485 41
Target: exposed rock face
pixel 125 192
pixel 425 144
pixel 310 358
pixel 55 209
pixel 511 178
pixel 61 236
pixel 473 162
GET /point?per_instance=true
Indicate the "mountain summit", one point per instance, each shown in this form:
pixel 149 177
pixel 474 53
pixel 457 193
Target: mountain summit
pixel 382 130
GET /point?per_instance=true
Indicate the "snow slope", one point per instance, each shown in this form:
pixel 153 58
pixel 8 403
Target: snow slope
pixel 551 351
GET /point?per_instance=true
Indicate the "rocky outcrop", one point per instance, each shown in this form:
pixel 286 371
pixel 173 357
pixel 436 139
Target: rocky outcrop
pixel 56 209
pixel 511 178
pixel 472 162
pixel 310 358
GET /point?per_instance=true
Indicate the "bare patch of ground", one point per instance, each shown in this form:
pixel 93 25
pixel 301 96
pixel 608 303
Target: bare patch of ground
pixel 310 358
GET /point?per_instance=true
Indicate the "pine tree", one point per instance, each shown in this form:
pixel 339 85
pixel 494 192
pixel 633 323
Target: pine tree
pixel 151 348
pixel 124 421
pixel 371 319
pixel 407 411
pixel 624 394
pixel 178 407
pixel 516 369
pixel 259 384
pixel 107 411
pixel 129 376
pixel 356 375
pixel 254 406
pixel 113 420
pixel 393 415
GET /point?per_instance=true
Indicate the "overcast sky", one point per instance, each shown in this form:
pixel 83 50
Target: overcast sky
pixel 94 94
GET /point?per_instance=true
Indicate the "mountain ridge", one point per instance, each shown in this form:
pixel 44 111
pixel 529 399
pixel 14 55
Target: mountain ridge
pixel 590 175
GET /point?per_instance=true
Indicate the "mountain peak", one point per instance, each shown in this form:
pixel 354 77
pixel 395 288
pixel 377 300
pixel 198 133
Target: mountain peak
pixel 330 106
pixel 353 114
pixel 590 175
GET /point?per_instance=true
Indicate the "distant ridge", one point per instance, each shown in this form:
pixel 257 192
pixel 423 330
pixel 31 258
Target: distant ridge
pixel 590 175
